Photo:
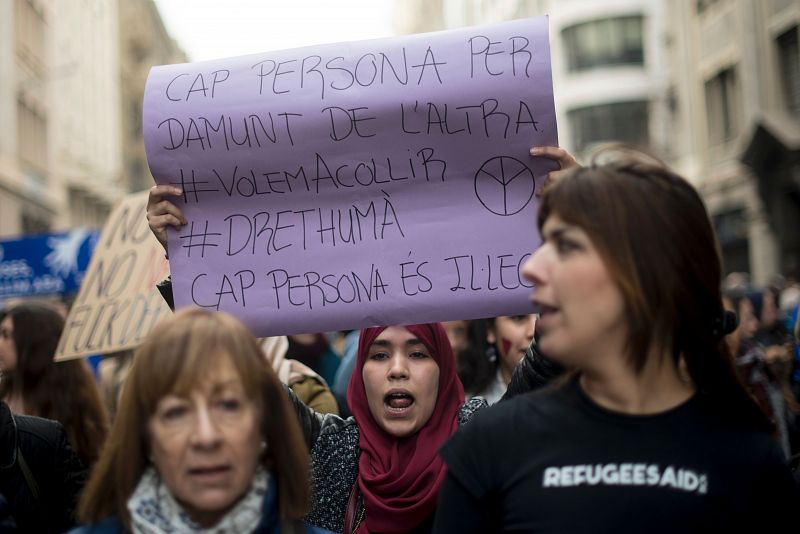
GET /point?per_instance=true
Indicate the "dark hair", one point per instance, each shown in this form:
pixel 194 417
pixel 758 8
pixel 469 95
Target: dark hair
pixel 652 231
pixel 63 391
pixel 475 367
pixel 178 354
pixel 534 372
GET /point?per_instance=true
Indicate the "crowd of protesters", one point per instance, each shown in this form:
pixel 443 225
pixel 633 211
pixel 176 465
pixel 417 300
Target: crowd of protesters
pixel 645 394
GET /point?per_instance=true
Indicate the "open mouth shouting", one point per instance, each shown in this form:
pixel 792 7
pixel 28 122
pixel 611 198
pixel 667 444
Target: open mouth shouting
pixel 398 403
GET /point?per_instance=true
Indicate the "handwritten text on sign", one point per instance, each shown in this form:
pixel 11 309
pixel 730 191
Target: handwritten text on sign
pixel 118 303
pixel 357 184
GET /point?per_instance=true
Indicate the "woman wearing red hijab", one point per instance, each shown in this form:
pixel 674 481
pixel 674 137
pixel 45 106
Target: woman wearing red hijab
pixel 379 471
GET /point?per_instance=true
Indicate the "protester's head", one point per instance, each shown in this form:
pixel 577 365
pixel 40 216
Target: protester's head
pixel 629 263
pixel 111 372
pixel 63 391
pixel 629 256
pixel 8 347
pixel 770 313
pixel 739 303
pixel 457 334
pixel 29 336
pixel 477 362
pixel 203 407
pixel 404 375
pixel 736 281
pixel 495 343
pixel 511 335
pixel 307 348
pixel 405 396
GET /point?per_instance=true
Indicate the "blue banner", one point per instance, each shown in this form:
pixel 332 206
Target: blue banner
pixel 47 264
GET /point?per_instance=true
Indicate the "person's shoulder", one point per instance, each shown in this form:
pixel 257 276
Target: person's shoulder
pixel 533 404
pixel 110 525
pixel 722 419
pixel 749 441
pixel 470 408
pixel 333 424
pixel 493 421
pixel 337 438
pixel 314 393
pixel 742 435
pixel 39 432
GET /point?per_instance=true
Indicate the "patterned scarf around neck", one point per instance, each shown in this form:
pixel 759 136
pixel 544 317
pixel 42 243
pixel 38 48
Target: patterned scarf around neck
pixel 154 509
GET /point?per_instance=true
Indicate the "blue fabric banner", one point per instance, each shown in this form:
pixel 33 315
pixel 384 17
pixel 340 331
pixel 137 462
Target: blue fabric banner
pixel 47 264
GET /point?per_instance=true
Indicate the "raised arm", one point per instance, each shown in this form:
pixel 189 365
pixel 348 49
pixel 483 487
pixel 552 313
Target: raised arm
pixel 310 421
pixel 161 212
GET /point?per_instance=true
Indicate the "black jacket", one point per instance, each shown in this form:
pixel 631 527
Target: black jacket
pixel 56 469
pixel 533 372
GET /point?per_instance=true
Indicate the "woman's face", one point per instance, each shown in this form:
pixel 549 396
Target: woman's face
pixel 401 380
pixel 8 349
pixel 581 309
pixel 206 446
pixel 512 334
pixel 456 334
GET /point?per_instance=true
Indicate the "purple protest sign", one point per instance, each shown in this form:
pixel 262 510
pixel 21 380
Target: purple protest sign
pixel 356 184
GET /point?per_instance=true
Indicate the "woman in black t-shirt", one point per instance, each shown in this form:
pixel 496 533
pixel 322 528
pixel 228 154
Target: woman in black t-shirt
pixel 651 432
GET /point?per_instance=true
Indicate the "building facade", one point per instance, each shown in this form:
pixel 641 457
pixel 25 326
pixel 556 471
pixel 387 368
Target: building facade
pixel 735 117
pixel 711 86
pixel 72 78
pixel 29 202
pixel 144 42
pixel 86 159
pixel 608 61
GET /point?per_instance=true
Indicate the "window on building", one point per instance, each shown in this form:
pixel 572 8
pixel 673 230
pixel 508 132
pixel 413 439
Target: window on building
pixel 619 121
pixel 30 29
pixel 722 106
pixel 602 43
pixel 789 65
pixel 31 134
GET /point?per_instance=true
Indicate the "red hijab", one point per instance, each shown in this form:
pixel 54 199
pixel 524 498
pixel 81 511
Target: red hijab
pixel 399 478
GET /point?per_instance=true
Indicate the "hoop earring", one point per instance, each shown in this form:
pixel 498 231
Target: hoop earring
pixel 491 353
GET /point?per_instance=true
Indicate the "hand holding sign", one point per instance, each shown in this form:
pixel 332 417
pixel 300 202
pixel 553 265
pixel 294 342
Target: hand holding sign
pixel 357 184
pixel 566 163
pixel 162 213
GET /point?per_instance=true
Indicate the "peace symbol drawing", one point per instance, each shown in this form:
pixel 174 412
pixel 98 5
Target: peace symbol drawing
pixel 504 185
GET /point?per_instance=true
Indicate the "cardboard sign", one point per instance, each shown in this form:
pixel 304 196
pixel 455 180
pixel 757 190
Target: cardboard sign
pixel 118 304
pixel 355 184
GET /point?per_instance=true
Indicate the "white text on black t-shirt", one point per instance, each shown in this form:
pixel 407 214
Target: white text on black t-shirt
pixel 625 474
